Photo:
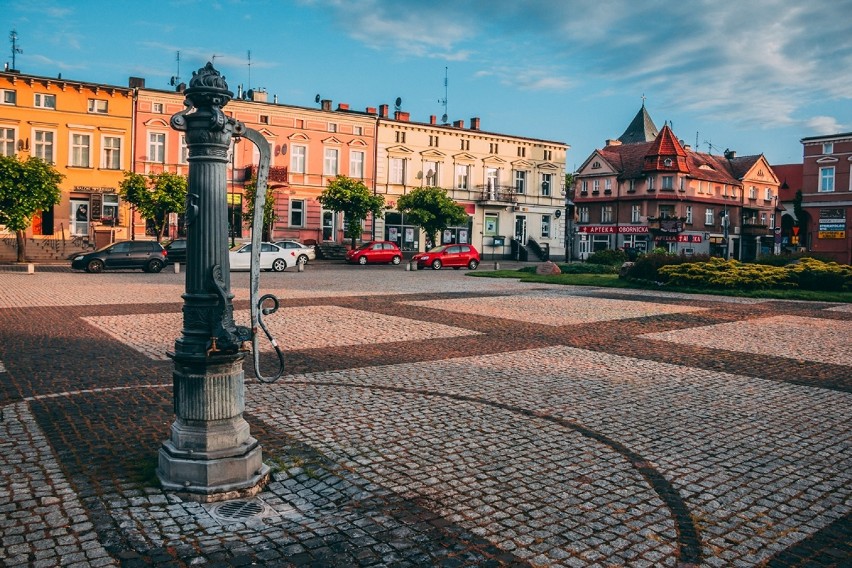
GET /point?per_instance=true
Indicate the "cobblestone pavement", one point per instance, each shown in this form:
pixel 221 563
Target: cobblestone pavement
pixel 434 419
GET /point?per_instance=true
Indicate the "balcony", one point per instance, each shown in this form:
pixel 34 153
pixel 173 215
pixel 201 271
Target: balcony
pixel 755 229
pixel 666 225
pixel 501 195
pixel 276 174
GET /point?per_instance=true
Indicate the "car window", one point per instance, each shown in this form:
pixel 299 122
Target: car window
pixel 465 249
pixel 141 247
pixel 453 250
pixel 266 247
pixel 246 248
pixel 177 245
pixel 377 246
pixel 438 249
pixel 120 247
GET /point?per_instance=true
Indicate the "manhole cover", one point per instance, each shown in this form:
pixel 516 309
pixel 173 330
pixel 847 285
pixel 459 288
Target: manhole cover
pixel 237 510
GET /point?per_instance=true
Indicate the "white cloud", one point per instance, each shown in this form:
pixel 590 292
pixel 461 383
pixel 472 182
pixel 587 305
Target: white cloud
pixel 824 125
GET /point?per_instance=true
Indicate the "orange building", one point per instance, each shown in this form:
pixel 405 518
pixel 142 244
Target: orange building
pixel 84 130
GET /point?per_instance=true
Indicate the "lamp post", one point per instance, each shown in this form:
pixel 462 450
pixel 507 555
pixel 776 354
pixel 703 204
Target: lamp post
pixel 210 455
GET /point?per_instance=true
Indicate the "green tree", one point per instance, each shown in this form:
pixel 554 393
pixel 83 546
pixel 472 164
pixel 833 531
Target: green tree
pixel 269 216
pixel 26 187
pixel 155 196
pixel 431 209
pixel 355 200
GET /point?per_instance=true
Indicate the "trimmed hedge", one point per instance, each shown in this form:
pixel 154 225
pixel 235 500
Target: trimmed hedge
pixel 577 268
pixel 612 257
pixel 806 274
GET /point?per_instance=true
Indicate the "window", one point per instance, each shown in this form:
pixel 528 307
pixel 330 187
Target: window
pixel 683 183
pixel 465 144
pixel 43 100
pixel 9 97
pixel 98 106
pixel 332 127
pixel 631 186
pixel 491 227
pixel 433 141
pixel 493 148
pixel 767 194
pixel 585 188
pixel 109 209
pixel 43 145
pixel 461 176
pixel 522 152
pixel 520 181
pixel 668 182
pixel 430 174
pixel 157 147
pixel 264 119
pixel 356 164
pixel 545 226
pixel 492 178
pixel 7 141
pixel 596 186
pixel 80 146
pixel 112 153
pixel 357 130
pixel 297 159
pixel 635 213
pixel 667 211
pixel 689 214
pixel 583 214
pixel 650 183
pixel 400 137
pixel 297 213
pixel 752 192
pixel 183 158
pixel 329 166
pixel 606 214
pixel 607 185
pixel 826 179
pixel 763 218
pixel 708 216
pixel 548 155
pixel 397 171
pixel 157 108
pixel 828 148
pixel 546 184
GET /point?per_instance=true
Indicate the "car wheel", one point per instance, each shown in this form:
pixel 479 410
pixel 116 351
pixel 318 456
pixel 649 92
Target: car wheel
pixel 278 265
pixel 362 260
pixel 436 264
pixel 95 265
pixel 396 260
pixel 472 264
pixel 303 259
pixel 154 266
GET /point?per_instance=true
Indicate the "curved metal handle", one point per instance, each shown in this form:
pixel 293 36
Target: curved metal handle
pixel 256 304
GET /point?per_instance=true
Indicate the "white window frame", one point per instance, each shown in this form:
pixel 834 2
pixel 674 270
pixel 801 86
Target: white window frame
pixel 396 171
pixel 520 181
pixel 302 210
pixel 767 194
pixel 80 149
pixel 358 130
pixel 689 214
pixel 10 97
pixel 8 138
pixel 331 162
pixel 709 216
pixel 596 186
pixel 827 148
pixel 44 100
pixel 99 106
pixel 545 226
pixel 635 213
pixel 298 158
pixel 546 190
pixel 45 147
pixel 111 152
pixel 430 181
pixel 357 160
pixel 492 178
pixel 462 176
pixel 826 179
pixel 157 147
pixel 668 182
pixel 110 202
pixel 608 184
pixel 183 151
pixel 582 214
pixel 607 214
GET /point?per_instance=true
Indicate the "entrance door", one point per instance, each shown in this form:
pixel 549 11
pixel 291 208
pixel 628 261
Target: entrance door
pixel 521 229
pixel 585 247
pixel 328 225
pixel 79 222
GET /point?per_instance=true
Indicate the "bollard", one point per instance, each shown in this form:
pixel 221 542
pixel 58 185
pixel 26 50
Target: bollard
pixel 177 268
pixel 300 266
pixel 496 266
pixel 30 268
pixel 408 267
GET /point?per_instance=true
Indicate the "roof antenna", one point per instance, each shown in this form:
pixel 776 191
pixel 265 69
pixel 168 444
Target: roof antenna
pixel 249 68
pixel 175 80
pixel 444 100
pixel 13 37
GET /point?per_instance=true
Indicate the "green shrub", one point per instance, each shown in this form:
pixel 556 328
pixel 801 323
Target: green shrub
pixel 813 274
pixel 577 268
pixel 731 274
pixel 647 266
pixel 611 257
pixel 785 259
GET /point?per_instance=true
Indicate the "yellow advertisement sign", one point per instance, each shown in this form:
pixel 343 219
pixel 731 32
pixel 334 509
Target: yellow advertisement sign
pixel 832 234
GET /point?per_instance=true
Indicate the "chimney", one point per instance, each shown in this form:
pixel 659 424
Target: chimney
pixel 258 95
pixel 687 147
pixel 136 83
pixel 613 142
pixel 326 104
pixel 383 111
pixel 402 115
pixel 275 99
pixel 433 119
pixel 730 154
pixel 474 123
pixel 371 110
pixel 342 106
pixel 458 123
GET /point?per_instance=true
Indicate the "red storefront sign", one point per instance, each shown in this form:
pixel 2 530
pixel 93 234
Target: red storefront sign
pixel 612 229
pixel 682 239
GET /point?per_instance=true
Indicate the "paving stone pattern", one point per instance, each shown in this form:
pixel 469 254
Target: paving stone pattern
pixel 433 419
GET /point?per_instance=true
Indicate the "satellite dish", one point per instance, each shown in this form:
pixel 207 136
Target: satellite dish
pixel 444 119
pixel 398 103
pixel 317 98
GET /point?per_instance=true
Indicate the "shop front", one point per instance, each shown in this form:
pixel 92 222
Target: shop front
pixel 94 214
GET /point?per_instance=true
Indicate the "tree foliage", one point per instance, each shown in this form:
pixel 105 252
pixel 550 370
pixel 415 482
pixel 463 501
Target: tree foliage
pixel 269 216
pixel 431 209
pixel 155 196
pixel 355 200
pixel 26 187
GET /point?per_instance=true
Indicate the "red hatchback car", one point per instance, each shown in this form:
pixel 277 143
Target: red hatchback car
pixel 373 252
pixel 456 256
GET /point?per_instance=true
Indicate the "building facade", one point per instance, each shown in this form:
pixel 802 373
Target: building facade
pixel 647 189
pixel 511 187
pixel 84 130
pixel 827 195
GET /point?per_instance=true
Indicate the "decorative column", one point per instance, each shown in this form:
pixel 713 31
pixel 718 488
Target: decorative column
pixel 210 455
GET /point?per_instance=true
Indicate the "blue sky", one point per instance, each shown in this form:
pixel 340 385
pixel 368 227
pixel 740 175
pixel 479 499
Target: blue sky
pixel 753 76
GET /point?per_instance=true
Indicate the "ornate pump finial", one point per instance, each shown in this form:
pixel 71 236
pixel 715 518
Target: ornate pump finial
pixel 208 88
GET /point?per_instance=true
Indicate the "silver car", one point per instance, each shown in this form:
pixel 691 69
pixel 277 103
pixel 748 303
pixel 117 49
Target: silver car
pixel 272 257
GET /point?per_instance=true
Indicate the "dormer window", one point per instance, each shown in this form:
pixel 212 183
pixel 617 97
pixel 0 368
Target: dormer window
pixel 667 162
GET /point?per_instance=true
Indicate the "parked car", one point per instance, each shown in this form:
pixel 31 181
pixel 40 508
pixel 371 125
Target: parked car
pixel 272 257
pixel 456 256
pixel 177 250
pixel 304 253
pixel 149 256
pixel 375 252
